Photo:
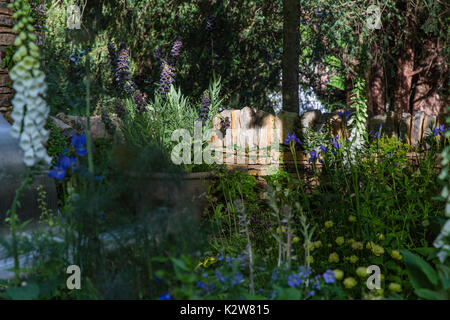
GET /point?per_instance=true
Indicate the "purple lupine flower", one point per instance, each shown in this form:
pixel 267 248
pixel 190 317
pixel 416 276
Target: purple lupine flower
pixel 206 101
pixel 167 77
pixel 140 101
pixel 123 79
pixel 175 52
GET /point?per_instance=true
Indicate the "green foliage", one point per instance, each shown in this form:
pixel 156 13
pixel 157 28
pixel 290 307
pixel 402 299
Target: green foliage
pixel 7 61
pixel 428 283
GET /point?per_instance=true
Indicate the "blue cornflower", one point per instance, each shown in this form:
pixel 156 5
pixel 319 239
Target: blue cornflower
pixel 292 137
pixel 328 276
pixel 165 296
pixel 220 277
pixel 201 285
pixel 294 281
pixel 311 293
pixel 79 143
pixel 237 278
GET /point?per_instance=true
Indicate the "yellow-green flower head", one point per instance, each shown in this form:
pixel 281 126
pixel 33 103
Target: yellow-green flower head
pixel 338 274
pixel 352 219
pixel 282 229
pixel 353 259
pixel 329 224
pixel 334 257
pixel 350 282
pixel 396 255
pixel 380 237
pixel 340 241
pixel 296 239
pixel 350 241
pixel 395 287
pixel 379 292
pixel 311 259
pixel 377 250
pixel 362 272
pixel 317 244
pixel 311 246
pixel 370 245
pixel 357 245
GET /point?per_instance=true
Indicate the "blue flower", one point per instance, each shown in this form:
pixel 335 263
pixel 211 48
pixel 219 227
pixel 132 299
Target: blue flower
pixel 201 285
pixel 378 133
pixel 57 172
pixel 79 143
pixel 328 276
pixel 237 278
pixel 292 138
pixel 294 281
pixel 165 296
pixel 274 275
pixel 323 148
pixel 439 130
pixel 158 279
pixel 67 162
pixel 311 293
pixel 220 277
pixel 345 114
pixel 312 156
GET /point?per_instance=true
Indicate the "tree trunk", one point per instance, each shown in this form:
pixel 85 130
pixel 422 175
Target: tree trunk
pixel 291 52
pixel 376 95
pixel 432 74
pixel 405 67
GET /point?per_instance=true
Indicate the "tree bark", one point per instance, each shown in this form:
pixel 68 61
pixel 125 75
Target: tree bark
pixel 291 52
pixel 432 73
pixel 376 94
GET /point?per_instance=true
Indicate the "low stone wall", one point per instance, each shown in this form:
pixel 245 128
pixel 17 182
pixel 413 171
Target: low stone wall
pixel 7 36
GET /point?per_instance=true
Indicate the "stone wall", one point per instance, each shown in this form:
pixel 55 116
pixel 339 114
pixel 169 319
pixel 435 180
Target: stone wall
pixel 7 37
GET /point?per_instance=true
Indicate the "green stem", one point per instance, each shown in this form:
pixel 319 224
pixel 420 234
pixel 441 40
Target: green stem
pixel 88 131
pixel 13 219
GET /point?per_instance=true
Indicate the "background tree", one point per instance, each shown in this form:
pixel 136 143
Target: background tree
pixel 291 51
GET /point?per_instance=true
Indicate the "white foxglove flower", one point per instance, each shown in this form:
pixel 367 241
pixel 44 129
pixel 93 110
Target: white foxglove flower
pixel 30 86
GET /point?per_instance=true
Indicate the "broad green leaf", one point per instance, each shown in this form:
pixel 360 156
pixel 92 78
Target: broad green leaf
pixel 421 274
